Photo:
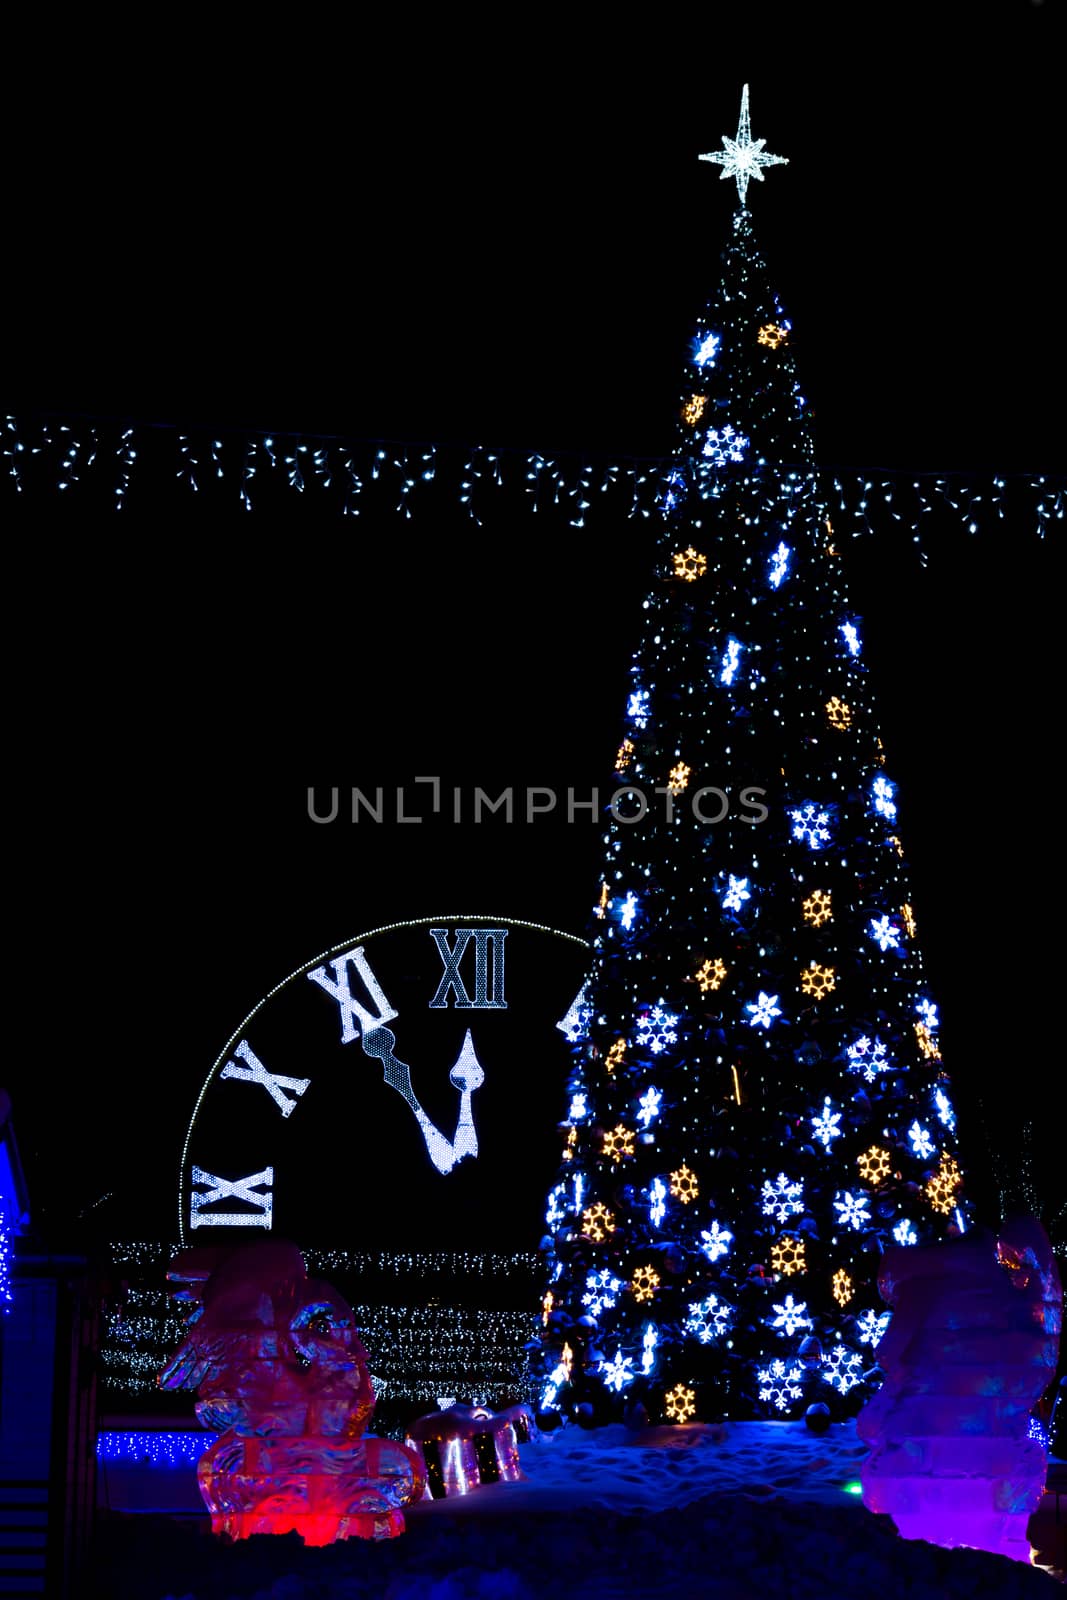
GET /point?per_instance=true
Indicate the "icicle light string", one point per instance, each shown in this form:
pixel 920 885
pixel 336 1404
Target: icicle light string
pixel 145 464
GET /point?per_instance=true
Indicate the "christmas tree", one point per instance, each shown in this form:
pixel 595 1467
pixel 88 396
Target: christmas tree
pixel 758 1106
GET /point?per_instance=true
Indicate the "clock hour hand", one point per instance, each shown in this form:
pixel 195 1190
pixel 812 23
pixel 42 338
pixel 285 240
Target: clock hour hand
pixel 379 1042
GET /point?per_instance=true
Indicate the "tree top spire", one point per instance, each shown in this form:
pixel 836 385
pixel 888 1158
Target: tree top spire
pixel 742 157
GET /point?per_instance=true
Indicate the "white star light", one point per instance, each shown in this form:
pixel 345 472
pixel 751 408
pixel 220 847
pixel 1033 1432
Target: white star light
pixel 742 158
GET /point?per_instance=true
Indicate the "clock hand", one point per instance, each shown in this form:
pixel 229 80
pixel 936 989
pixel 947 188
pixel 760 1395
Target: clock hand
pixel 379 1042
pixel 467 1075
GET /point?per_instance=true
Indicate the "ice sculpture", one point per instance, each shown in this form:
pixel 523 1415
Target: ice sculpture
pixel 281 1371
pixel 466 1446
pixel 972 1345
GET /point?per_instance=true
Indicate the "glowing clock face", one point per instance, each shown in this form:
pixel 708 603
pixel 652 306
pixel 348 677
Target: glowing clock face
pixel 403 1090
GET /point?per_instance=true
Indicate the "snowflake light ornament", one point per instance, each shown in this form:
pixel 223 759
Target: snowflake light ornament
pixel 578 1108
pixel 811 825
pixel 789 1316
pixel 680 1403
pixel 619 1143
pixel 637 708
pixel 708 1319
pixel 883 802
pixel 764 1010
pixel 742 157
pixel 597 1222
pixel 838 714
pixel 618 1371
pixel 656 1029
pixel 843 1368
pixel 602 1289
pixel 730 662
pixel 779 565
pixel 716 1241
pixel 710 975
pixel 689 564
pixel 707 350
pixel 874 1165
pixel 942 1189
pixel 904 1233
pixel 788 1255
pixel 648 1106
pixel 679 777
pixel 693 409
pixel 817 908
pixel 574 1025
pixel 817 981
pixel 851 1210
pixel 628 910
pixel 842 1287
pixel 735 894
pixel 779 1385
pixel 871 1326
pixel 944 1109
pixel 649 1341
pixel 782 1198
pixel 825 1125
pixel 927 1043
pixel 616 1051
pixel 921 1143
pixel 684 1185
pixel 657 1202
pixel 723 444
pixel 555 1213
pixel 624 755
pixel 774 334
pixel 644 1283
pixel 928 1012
pixel 851 637
pixel 884 933
pixel 869 1057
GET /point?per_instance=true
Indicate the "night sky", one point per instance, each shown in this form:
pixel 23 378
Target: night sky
pixel 446 239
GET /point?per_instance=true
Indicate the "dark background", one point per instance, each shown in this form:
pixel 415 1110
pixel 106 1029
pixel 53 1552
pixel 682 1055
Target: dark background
pixel 422 232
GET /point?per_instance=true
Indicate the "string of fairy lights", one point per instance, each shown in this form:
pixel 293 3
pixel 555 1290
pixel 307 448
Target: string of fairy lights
pixel 758 1105
pixel 131 466
pixel 423 1343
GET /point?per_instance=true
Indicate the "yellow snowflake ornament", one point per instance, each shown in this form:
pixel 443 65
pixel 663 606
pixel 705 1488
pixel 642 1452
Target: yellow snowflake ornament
pixel 908 917
pixel 838 713
pixel 816 908
pixel 710 974
pixel 684 1185
pixel 689 564
pixel 943 1188
pixel 927 1042
pixel 680 1404
pixel 693 409
pixel 625 755
pixel 772 334
pixel 788 1256
pixel 619 1143
pixel 679 777
pixel 842 1287
pixel 597 1222
pixel 874 1165
pixel 614 1055
pixel 817 981
pixel 644 1283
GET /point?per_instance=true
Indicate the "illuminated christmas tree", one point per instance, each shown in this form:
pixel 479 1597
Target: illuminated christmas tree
pixel 758 1106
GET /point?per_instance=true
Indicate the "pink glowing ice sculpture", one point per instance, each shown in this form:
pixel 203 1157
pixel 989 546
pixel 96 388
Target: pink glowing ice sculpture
pixel 280 1369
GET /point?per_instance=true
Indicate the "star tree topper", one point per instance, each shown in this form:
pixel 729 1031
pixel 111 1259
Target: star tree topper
pixel 743 157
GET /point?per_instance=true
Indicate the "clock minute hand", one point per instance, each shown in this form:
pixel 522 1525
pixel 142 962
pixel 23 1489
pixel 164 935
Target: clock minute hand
pixel 379 1042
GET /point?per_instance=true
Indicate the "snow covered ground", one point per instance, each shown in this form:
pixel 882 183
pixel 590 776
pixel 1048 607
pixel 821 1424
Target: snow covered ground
pixel 738 1511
